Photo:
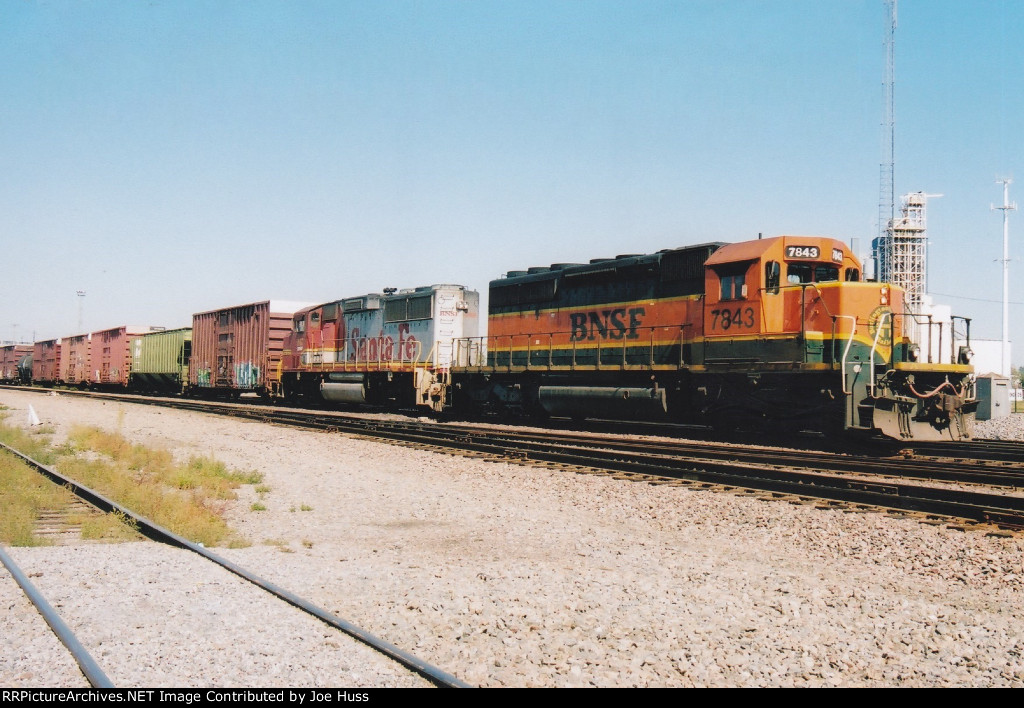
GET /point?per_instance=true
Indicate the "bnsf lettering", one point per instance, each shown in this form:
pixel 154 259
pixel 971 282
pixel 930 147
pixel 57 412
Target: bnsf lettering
pixel 606 324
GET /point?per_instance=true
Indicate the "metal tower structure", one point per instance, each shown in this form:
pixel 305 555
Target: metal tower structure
pixel 887 188
pixel 1006 208
pixel 905 260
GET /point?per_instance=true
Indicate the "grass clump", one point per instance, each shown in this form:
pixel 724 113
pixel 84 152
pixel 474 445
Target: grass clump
pixel 187 498
pixel 112 527
pixel 34 444
pixel 24 495
pixel 279 544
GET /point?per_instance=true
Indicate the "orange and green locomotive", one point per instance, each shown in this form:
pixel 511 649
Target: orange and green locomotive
pixel 781 331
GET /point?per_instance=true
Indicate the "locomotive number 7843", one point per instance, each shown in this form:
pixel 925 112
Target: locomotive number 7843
pixel 741 317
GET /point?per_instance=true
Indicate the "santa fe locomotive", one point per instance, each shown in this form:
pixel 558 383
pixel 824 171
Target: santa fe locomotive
pixel 781 332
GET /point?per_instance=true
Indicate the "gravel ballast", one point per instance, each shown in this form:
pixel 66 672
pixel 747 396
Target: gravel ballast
pixel 521 576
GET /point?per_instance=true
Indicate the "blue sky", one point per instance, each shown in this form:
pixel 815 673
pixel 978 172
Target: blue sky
pixel 174 157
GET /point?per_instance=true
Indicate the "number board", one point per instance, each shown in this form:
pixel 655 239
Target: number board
pixel 837 255
pixel 811 253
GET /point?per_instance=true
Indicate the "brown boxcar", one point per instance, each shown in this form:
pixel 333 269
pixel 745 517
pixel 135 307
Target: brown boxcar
pixel 46 361
pixel 110 354
pixel 74 360
pixel 10 355
pixel 238 349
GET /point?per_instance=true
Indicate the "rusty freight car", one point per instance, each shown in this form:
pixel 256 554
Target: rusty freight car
pixel 74 360
pixel 237 349
pixel 110 354
pixel 46 362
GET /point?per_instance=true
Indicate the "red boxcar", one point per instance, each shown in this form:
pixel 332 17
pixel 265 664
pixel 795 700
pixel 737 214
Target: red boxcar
pixel 10 355
pixel 238 349
pixel 74 360
pixel 110 354
pixel 46 361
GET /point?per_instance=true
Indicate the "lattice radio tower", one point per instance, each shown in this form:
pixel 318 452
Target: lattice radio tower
pixel 887 189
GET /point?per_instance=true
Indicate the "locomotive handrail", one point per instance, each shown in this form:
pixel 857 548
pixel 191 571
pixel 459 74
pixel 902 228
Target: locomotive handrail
pixel 849 343
pixel 538 354
pixel 878 333
pixel 953 357
pixel 834 318
pixel 922 319
pixel 358 348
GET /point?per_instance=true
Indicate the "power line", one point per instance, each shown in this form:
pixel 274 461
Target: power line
pixel 975 299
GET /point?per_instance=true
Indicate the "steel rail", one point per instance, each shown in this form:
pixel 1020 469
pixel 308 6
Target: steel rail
pixel 989 508
pixel 1010 451
pixel 90 669
pixel 999 509
pixel 954 471
pixel 155 532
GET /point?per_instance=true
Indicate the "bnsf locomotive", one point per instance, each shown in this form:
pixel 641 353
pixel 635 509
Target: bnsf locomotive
pixel 775 332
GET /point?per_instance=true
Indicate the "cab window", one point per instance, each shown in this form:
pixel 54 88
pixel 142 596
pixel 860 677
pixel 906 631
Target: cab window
pixel 734 286
pixel 772 273
pixel 800 273
pixel 825 273
pixel 797 273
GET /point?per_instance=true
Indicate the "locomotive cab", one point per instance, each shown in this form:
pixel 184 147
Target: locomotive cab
pixel 799 304
pixel 781 300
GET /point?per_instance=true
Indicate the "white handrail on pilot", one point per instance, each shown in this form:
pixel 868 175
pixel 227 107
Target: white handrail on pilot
pixel 871 359
pixel 849 343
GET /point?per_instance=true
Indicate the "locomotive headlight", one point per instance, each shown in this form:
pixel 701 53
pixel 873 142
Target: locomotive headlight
pixel 884 297
pixel 915 352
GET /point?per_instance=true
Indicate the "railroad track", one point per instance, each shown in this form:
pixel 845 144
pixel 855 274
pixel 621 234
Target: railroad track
pixel 798 474
pixel 157 533
pixel 1008 452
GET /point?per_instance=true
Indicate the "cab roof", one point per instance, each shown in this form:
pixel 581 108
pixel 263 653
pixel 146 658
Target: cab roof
pixel 755 250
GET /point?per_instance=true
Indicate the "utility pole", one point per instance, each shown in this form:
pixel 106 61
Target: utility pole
pixel 1006 208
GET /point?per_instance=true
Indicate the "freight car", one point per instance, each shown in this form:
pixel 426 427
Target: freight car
pixel 237 350
pixel 780 331
pixel 160 361
pixel 110 355
pixel 46 362
pixel 13 361
pixel 75 360
pixel 391 348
